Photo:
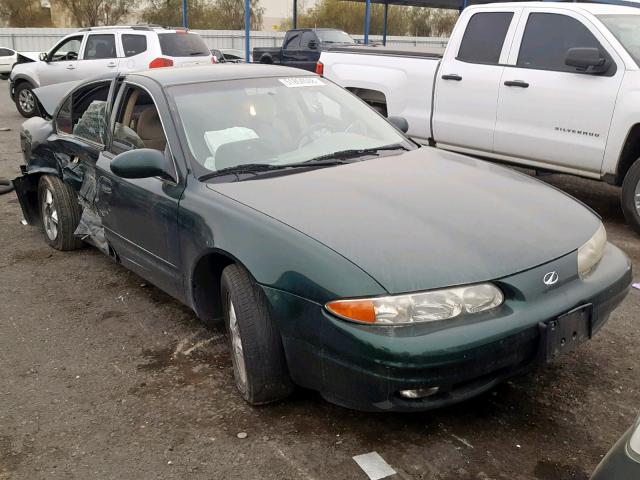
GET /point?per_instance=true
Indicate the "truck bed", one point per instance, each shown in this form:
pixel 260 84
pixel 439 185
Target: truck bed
pixel 434 52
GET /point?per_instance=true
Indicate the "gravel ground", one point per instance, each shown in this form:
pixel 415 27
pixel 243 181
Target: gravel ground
pixel 104 376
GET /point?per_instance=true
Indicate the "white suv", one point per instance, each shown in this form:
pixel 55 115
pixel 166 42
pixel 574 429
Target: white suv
pixel 92 51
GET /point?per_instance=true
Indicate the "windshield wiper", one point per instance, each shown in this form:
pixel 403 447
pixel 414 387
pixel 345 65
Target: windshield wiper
pixel 257 168
pixel 355 153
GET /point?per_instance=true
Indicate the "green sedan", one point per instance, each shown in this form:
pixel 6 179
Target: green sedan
pixel 342 256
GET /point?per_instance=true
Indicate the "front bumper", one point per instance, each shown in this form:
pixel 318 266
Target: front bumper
pixel 364 367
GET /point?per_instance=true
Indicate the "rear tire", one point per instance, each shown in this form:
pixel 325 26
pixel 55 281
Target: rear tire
pixel 631 196
pixel 259 365
pixel 26 101
pixel 59 213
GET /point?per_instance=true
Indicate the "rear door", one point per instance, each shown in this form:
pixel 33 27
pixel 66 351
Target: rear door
pixel 7 59
pixel 548 112
pixel 309 51
pixel 184 48
pixel 291 48
pixel 467 85
pixel 135 50
pixel 99 55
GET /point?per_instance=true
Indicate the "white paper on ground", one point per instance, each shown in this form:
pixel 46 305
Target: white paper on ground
pixel 636 285
pixel 374 465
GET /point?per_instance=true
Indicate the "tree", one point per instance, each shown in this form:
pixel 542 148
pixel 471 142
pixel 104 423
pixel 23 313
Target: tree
pixel 349 16
pixel 24 13
pixel 204 14
pixel 229 15
pixel 430 22
pixel 88 13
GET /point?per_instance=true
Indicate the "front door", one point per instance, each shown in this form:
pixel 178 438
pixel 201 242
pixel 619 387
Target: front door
pixel 140 216
pixel 548 112
pixel 62 62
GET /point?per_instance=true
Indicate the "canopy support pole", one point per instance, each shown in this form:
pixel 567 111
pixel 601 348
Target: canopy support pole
pixel 247 31
pixel 295 14
pixel 367 19
pixel 384 27
pixel 185 22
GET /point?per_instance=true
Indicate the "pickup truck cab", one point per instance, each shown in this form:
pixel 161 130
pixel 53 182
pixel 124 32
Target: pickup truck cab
pixel 548 86
pixel 301 47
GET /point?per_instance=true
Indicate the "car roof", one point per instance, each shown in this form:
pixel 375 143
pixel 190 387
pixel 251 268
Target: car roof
pixel 214 73
pixel 593 8
pixel 139 27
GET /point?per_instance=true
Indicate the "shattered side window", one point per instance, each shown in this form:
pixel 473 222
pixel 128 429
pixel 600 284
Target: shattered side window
pixel 92 124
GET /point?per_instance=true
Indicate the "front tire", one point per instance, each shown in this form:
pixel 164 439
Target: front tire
pixel 631 196
pixel 259 365
pixel 59 213
pixel 26 101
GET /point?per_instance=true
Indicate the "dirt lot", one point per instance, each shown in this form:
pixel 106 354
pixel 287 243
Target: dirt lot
pixel 104 376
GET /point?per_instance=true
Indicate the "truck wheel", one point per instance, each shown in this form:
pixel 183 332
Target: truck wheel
pixel 259 365
pixel 59 213
pixel 631 196
pixel 26 101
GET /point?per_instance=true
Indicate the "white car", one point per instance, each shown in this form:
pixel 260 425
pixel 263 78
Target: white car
pixel 7 58
pixel 93 51
pixel 549 86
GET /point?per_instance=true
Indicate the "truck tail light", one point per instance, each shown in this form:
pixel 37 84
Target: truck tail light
pixel 320 68
pixel 161 62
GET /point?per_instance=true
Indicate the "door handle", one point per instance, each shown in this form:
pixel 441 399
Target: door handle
pixel 516 83
pixel 111 64
pixel 71 67
pixel 452 76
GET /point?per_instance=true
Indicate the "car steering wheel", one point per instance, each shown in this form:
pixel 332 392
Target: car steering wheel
pixel 311 133
pixel 70 56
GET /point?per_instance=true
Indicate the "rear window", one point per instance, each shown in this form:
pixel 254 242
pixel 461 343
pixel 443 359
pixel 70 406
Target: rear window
pixel 133 44
pixel 182 45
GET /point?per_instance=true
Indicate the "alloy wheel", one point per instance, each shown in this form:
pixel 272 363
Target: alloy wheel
pixel 636 197
pixel 26 100
pixel 237 354
pixel 50 215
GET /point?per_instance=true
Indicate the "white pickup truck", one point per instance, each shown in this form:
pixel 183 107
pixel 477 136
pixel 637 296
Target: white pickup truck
pixel 549 86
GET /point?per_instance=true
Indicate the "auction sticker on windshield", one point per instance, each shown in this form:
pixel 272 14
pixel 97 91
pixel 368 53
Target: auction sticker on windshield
pixel 301 82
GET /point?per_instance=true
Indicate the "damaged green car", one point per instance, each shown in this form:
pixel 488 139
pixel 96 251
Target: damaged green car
pixel 342 256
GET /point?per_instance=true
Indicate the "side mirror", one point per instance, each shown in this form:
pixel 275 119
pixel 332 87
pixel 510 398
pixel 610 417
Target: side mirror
pixel 313 44
pixel 44 57
pixel 142 163
pixel 400 123
pixel 586 60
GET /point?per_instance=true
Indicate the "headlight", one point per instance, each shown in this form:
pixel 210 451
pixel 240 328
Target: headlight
pixel 591 252
pixel 419 307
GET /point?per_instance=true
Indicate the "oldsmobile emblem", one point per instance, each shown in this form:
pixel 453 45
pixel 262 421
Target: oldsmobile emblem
pixel 550 278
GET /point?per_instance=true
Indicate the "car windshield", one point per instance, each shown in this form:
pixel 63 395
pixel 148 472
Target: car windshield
pixel 626 28
pixel 334 36
pixel 278 122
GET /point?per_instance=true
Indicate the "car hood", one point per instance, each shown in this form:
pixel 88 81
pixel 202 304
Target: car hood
pixel 425 219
